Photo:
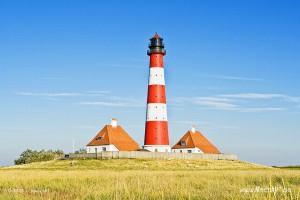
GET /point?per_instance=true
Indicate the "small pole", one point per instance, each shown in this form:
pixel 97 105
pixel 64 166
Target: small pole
pixel 73 146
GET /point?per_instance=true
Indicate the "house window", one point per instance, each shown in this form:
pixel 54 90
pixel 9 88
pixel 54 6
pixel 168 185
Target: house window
pixel 189 151
pixel 156 150
pixel 180 151
pixel 99 138
pixel 182 143
pixel 103 148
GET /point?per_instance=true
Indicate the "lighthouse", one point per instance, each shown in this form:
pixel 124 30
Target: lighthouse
pixel 156 128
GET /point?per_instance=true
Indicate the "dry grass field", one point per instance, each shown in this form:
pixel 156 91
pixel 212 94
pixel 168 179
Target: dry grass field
pixel 147 179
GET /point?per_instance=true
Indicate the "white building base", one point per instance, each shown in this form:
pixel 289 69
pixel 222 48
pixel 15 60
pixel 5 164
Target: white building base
pixel 97 149
pixel 157 148
pixel 187 150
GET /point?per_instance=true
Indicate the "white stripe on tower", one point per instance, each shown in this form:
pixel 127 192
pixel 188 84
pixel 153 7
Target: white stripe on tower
pixel 157 112
pixel 156 76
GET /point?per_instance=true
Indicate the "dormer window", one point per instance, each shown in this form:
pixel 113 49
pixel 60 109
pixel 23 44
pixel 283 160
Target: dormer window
pixel 99 138
pixel 182 143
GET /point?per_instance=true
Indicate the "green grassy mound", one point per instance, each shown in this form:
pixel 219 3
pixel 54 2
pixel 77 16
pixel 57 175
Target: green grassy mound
pixel 139 164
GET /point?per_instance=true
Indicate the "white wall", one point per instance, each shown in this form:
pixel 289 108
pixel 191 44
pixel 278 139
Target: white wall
pixel 153 155
pixel 92 149
pixel 186 150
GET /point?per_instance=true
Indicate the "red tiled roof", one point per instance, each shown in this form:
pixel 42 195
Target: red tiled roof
pixel 196 139
pixel 116 136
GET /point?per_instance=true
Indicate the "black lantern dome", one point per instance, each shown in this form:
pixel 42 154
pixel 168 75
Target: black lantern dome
pixel 156 45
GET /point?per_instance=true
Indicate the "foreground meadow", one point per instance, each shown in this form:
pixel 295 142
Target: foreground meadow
pixel 148 179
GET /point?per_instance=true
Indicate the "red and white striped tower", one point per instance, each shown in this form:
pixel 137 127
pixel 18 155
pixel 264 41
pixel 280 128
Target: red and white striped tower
pixel 156 131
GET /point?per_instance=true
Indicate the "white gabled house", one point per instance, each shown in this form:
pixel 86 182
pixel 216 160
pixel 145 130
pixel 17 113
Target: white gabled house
pixel 194 142
pixel 112 138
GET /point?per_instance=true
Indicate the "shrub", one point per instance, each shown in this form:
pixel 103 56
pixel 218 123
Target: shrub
pixel 29 156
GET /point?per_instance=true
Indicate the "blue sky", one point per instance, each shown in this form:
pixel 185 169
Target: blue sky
pixel 232 69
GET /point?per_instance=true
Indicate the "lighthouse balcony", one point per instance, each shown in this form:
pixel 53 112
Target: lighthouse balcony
pixel 156 50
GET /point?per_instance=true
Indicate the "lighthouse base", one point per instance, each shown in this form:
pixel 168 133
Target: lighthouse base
pixel 157 148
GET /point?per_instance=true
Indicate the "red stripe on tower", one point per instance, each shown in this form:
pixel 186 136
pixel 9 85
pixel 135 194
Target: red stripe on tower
pixel 156 130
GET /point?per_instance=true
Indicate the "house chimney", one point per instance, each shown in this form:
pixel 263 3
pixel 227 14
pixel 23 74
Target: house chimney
pixel 114 122
pixel 193 129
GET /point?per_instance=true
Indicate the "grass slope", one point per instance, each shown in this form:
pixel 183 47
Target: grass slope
pixel 139 164
pixel 296 167
pixel 147 179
